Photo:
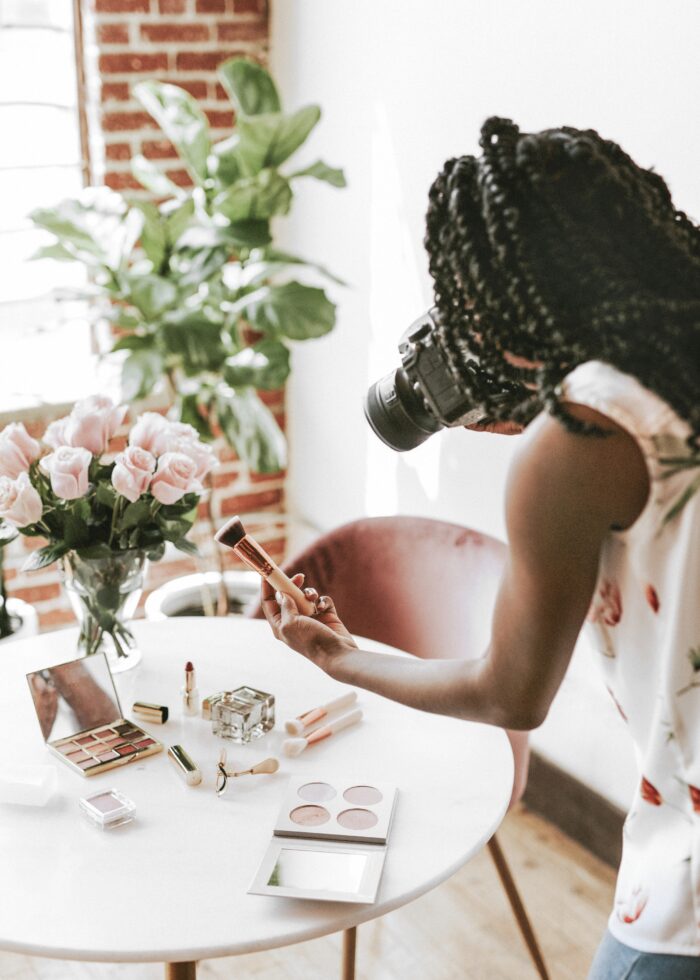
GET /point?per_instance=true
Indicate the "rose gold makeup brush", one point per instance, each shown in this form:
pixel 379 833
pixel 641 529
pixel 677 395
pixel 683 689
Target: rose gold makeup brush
pixel 295 746
pixel 302 723
pixel 233 535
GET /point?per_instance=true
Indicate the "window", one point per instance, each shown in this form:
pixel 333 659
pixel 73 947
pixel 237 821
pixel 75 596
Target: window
pixel 41 162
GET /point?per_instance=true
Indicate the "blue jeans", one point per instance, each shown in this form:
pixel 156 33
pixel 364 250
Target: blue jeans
pixel 615 961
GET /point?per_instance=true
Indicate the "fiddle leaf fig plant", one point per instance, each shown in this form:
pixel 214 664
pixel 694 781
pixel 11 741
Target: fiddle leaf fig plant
pixel 191 281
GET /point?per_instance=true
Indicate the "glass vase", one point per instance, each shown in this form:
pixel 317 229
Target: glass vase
pixel 104 594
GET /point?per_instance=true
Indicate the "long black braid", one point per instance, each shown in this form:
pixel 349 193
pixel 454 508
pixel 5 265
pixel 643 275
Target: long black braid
pixel 558 248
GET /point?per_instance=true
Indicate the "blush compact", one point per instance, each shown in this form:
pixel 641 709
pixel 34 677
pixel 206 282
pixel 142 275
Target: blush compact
pixel 81 720
pixel 333 819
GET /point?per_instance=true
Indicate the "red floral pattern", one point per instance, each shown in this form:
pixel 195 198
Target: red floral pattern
pixel 629 911
pixel 650 793
pixel 652 597
pixel 694 797
pixel 607 604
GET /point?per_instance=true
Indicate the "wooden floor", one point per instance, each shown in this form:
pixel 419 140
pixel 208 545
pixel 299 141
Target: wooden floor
pixel 463 929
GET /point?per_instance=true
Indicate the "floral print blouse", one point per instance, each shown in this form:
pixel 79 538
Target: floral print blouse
pixel 644 621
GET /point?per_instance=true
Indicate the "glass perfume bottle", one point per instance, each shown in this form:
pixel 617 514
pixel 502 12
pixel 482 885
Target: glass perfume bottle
pixel 243 714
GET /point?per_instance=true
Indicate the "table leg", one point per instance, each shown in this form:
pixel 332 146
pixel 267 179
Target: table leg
pixel 180 971
pixel 349 947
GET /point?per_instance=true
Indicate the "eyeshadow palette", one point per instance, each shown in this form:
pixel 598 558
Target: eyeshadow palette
pixel 81 719
pixel 333 809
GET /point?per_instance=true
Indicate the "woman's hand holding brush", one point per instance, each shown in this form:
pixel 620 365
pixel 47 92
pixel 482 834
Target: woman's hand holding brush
pixel 320 639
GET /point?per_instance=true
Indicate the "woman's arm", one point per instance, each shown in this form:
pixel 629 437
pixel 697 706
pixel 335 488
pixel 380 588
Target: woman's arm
pixel 564 493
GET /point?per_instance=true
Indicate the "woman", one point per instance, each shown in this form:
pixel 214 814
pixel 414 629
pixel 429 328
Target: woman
pixel 567 270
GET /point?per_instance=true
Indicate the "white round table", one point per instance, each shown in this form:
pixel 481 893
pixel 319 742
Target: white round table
pixel 172 885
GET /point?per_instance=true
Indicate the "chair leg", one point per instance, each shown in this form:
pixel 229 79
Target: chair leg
pixel 349 947
pixel 517 906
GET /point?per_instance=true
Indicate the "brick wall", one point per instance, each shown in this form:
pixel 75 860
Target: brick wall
pixel 179 41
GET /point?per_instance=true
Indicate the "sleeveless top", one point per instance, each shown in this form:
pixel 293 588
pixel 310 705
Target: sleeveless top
pixel 644 623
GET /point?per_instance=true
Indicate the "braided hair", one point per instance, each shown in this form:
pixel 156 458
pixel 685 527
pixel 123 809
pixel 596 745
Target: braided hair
pixel 557 248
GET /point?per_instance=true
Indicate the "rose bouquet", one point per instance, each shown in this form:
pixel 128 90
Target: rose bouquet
pixel 103 514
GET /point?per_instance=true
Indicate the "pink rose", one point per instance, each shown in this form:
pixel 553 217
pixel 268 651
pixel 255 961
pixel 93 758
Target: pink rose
pixel 20 504
pixel 68 471
pixel 202 456
pixel 152 433
pixel 17 450
pixel 132 472
pixel 175 476
pixel 90 425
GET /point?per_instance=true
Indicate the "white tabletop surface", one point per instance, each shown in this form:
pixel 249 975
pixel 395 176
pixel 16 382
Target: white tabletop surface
pixel 173 884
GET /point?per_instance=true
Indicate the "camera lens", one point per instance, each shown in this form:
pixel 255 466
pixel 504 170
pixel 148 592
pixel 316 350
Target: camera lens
pixel 397 414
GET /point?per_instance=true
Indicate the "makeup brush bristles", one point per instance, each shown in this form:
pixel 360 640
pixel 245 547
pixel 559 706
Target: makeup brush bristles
pixel 293 747
pixel 231 533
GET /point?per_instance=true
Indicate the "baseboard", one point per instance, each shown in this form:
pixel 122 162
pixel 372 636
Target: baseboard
pixel 579 811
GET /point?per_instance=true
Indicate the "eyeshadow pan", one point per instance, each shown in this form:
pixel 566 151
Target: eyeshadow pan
pixel 134 735
pixel 88 763
pixel 110 737
pixel 103 733
pixel 106 756
pixel 85 739
pixel 77 756
pixel 144 744
pixel 357 819
pixel 362 795
pixel 310 816
pixel 317 792
pixel 125 749
pixel 124 727
pixel 68 748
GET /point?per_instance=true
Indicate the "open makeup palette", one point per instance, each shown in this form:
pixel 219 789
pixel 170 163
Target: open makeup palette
pixel 81 718
pixel 336 818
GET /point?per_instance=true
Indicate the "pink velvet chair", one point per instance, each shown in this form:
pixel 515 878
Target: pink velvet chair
pixel 429 588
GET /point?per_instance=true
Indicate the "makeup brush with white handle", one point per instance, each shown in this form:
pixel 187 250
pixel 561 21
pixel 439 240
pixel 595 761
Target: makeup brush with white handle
pixel 295 746
pixel 302 723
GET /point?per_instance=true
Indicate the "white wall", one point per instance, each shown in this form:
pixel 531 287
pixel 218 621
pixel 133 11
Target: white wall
pixel 405 84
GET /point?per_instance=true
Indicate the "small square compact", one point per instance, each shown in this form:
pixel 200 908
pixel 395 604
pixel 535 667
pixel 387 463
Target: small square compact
pixel 334 816
pixel 81 719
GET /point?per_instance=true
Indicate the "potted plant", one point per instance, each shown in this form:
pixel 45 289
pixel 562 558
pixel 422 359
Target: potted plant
pixel 104 514
pixel 192 286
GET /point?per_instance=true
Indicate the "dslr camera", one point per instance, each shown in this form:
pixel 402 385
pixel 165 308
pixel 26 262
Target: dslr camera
pixel 421 396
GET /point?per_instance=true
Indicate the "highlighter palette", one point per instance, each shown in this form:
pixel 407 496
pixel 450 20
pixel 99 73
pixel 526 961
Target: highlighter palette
pixel 333 809
pixel 80 717
pixel 337 818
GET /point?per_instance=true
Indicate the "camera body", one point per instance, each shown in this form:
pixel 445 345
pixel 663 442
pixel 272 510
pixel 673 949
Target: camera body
pixel 422 396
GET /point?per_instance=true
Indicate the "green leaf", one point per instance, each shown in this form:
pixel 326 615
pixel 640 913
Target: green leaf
pixel 67 221
pixel 250 427
pixel 56 251
pixel 99 550
pixel 189 547
pixel 151 294
pixel 153 234
pixel 197 340
pixel 321 171
pixel 156 552
pixel 178 219
pixel 687 494
pixel 264 262
pixel 182 121
pixel 250 87
pixel 106 495
pixel 225 163
pixel 153 179
pixel 270 139
pixel 291 310
pixel 8 532
pixel 135 513
pixel 265 365
pixel 189 412
pixel 135 341
pixel 251 234
pixel 262 196
pixel 140 372
pixel 44 556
